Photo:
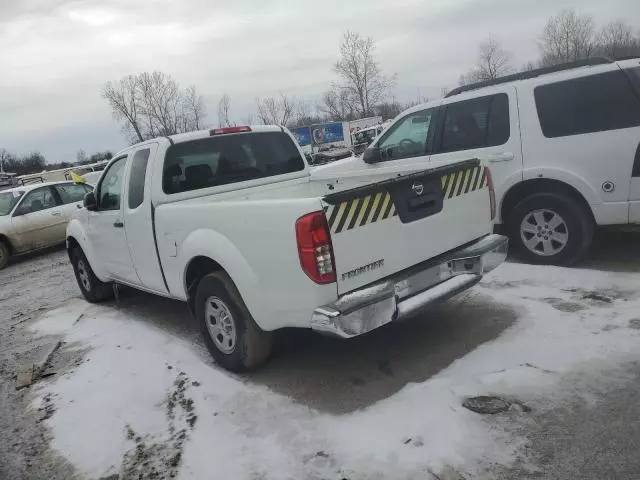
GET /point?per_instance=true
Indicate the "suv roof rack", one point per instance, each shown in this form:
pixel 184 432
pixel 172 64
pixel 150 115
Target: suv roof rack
pixel 531 74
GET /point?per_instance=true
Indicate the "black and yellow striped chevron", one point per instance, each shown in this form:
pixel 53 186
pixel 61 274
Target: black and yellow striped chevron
pixel 360 211
pixel 463 181
pixel 378 206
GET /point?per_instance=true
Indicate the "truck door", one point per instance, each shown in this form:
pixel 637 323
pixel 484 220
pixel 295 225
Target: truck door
pixel 138 219
pixel 106 225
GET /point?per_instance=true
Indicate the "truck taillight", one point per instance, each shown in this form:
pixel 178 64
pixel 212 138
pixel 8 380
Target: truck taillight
pixel 314 247
pixel 492 193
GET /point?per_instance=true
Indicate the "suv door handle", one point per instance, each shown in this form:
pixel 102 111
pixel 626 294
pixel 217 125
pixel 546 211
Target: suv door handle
pixel 56 214
pixel 501 157
pixel 118 224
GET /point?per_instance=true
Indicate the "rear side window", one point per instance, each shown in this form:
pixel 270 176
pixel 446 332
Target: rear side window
pixel 476 123
pixel 225 159
pixel 595 103
pixel 137 176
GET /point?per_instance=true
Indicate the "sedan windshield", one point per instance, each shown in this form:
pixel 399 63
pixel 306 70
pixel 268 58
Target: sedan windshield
pixel 8 200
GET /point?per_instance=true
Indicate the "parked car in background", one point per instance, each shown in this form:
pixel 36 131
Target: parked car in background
pixel 363 138
pixel 36 216
pixel 563 144
pixel 235 223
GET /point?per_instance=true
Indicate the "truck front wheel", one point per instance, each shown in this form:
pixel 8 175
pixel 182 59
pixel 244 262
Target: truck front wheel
pixel 92 288
pixel 235 341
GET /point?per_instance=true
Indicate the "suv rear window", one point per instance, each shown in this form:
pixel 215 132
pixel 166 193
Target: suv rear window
pixel 225 159
pixel 595 103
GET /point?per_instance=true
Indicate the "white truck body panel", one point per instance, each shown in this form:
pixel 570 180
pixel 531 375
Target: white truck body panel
pixel 249 229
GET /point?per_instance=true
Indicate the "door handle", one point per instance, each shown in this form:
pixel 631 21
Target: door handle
pixel 79 206
pixel 56 214
pixel 501 157
pixel 118 224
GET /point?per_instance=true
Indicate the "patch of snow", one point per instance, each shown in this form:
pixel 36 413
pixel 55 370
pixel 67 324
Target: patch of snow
pixel 245 430
pixel 60 320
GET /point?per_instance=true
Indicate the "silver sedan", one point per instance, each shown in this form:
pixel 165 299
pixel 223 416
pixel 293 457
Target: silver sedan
pixel 35 216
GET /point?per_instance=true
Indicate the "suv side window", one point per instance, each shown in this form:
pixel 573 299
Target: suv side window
pixel 110 188
pixel 137 177
pixel 476 123
pixel 408 137
pixel 595 103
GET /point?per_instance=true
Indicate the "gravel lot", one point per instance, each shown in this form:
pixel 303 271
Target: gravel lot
pixel 587 435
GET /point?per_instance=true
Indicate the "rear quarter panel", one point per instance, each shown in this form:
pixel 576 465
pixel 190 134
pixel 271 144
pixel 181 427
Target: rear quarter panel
pixel 255 242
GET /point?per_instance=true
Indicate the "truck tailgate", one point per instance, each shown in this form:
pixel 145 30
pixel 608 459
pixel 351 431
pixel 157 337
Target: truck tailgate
pixel 385 227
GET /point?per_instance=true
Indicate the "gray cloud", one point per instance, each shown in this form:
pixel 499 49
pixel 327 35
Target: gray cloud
pixel 56 54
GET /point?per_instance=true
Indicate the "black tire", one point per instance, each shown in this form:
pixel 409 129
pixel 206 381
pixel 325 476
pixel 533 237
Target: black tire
pixel 578 225
pixel 251 345
pixel 5 254
pixel 92 288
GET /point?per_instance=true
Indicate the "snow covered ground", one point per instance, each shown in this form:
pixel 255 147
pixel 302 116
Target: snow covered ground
pixel 148 399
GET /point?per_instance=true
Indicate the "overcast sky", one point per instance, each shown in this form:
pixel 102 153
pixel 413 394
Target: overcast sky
pixel 56 54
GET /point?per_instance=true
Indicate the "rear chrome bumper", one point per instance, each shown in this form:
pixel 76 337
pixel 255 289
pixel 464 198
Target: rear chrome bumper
pixel 408 292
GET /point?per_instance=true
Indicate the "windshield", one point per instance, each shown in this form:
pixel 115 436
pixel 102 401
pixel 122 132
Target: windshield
pixel 8 200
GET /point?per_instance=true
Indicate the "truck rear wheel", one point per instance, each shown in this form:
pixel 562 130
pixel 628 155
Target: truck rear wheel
pixel 235 341
pixel 551 228
pixel 92 288
pixel 5 253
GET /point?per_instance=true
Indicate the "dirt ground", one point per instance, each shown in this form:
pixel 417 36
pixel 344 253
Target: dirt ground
pixel 323 373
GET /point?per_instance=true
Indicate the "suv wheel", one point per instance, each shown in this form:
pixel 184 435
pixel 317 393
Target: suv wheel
pixel 233 338
pixel 551 228
pixel 92 288
pixel 5 253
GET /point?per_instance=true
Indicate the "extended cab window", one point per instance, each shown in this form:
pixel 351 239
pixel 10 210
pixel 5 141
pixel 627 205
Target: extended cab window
pixel 225 159
pixel 476 123
pixel 408 137
pixel 110 188
pixel 137 177
pixel 595 103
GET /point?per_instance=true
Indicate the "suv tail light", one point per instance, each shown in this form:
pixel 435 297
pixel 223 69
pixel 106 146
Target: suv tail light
pixel 314 247
pixel 492 193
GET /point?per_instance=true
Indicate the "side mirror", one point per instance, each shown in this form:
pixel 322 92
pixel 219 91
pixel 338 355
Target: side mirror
pixel 90 202
pixel 372 155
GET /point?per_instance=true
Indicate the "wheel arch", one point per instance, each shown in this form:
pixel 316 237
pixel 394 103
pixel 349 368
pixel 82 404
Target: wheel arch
pixel 197 268
pixel 525 188
pixel 4 239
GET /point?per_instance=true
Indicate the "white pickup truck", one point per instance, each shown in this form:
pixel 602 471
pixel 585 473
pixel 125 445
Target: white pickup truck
pixel 234 222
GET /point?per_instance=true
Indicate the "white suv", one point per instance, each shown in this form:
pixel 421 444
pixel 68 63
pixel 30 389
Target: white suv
pixel 562 144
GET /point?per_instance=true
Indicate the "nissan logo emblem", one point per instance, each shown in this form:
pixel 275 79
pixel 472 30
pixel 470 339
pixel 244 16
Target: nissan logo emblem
pixel 418 188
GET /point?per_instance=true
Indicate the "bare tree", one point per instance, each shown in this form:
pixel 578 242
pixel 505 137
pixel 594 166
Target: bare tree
pixel 337 105
pixel 5 157
pixel 567 37
pixel 121 96
pixel 360 74
pixel 194 109
pixel 81 156
pixel 493 62
pixel 224 108
pixel 153 104
pixel 616 39
pixel 276 110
